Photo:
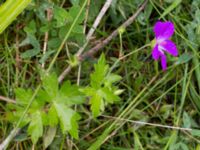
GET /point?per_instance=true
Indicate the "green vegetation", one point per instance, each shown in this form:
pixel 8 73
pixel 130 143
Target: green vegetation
pixel 61 88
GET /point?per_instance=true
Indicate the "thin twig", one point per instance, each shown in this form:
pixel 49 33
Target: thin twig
pixel 46 36
pixel 89 35
pixel 7 99
pixel 98 19
pixel 102 44
pixel 94 26
pixel 79 75
pixel 64 73
pixel 150 124
pixel 12 134
pixel 86 16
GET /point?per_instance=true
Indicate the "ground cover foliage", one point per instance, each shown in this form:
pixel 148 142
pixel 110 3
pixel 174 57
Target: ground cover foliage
pixel 107 99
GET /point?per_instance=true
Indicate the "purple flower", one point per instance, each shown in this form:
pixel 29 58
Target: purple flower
pixel 163 31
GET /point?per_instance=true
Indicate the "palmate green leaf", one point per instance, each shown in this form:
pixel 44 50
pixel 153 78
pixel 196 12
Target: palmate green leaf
pixel 52 116
pixel 22 100
pixel 68 119
pixel 101 68
pixel 14 113
pixel 74 130
pixel 50 84
pixel 89 91
pixel 61 100
pixel 35 128
pixel 108 95
pixel 70 94
pixel 45 118
pixel 23 96
pixel 101 90
pixel 96 102
pixel 112 78
pixel 97 98
pixel 43 96
pixel 77 31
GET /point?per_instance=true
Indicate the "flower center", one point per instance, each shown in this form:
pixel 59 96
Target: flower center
pixel 160 41
pixel 160 48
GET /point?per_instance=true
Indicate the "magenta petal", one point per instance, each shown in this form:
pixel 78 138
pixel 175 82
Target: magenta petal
pixel 163 62
pixel 163 30
pixel 155 53
pixel 169 47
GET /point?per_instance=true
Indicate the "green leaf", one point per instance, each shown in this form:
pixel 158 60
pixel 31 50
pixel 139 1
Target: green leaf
pixel 68 119
pixel 46 56
pixel 43 96
pixel 49 136
pixel 31 39
pixel 62 16
pixel 96 102
pixel 112 78
pixel 77 32
pixel 14 114
pixel 30 28
pixel 50 84
pixel 34 42
pixel 195 132
pixel 54 43
pixel 78 29
pixel 74 2
pixel 45 118
pixel 97 77
pixel 30 53
pixel 52 116
pixel 70 94
pixel 89 91
pixel 23 96
pixel 108 95
pixel 101 90
pixel 74 10
pixel 35 128
pixel 74 130
pixel 41 10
